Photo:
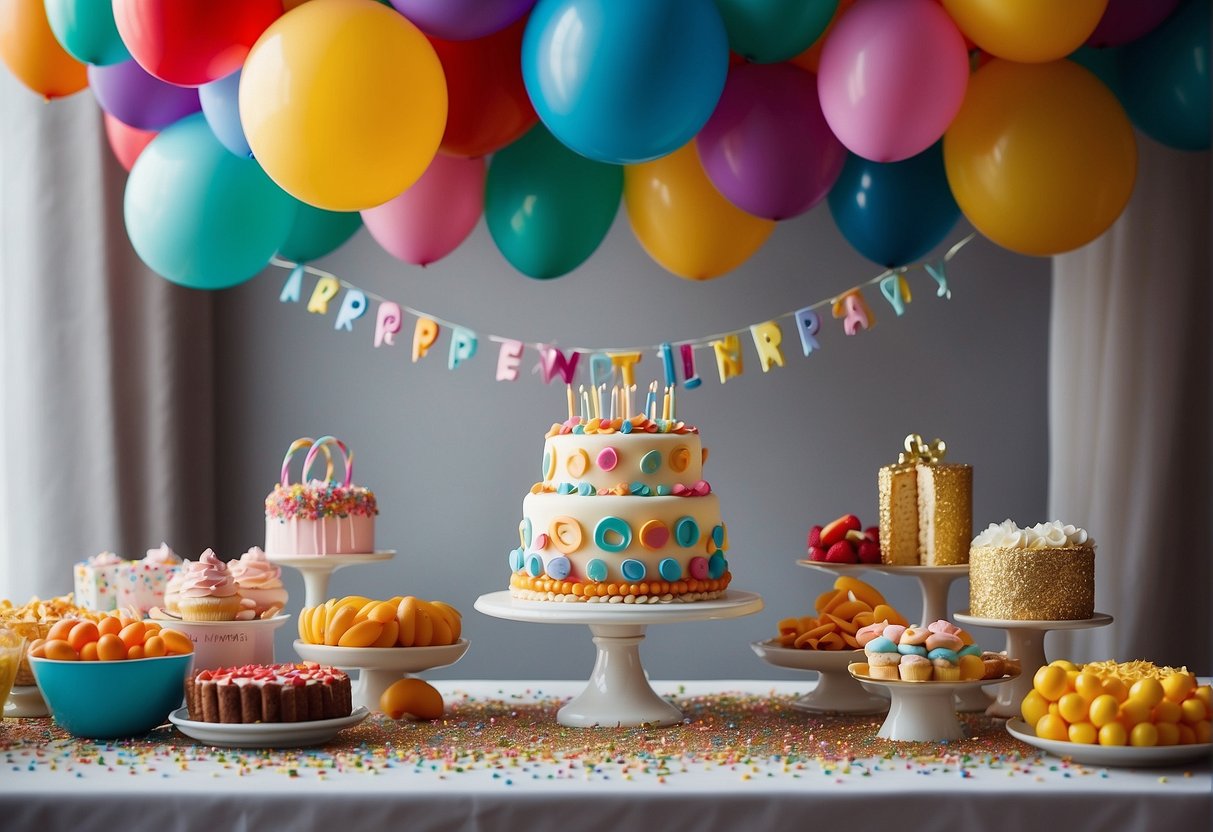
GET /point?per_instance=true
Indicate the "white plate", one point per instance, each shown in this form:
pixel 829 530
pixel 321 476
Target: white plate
pixel 265 734
pixel 834 661
pixel 1111 755
pixel 402 659
pixel 1099 619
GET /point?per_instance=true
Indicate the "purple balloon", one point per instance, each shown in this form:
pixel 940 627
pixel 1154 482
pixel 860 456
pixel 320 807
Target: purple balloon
pixel 462 19
pixel 767 147
pixel 128 93
pixel 1125 21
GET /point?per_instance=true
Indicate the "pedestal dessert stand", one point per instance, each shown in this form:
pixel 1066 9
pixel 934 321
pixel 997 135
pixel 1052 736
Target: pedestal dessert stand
pixel 1026 642
pixel 380 667
pixel 836 690
pixel 25 701
pixel 317 569
pixel 617 694
pixel 924 711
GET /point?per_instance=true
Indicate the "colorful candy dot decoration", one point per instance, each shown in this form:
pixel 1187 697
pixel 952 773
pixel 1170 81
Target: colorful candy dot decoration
pixel 686 531
pixel 650 462
pixel 596 570
pixel 654 535
pixel 612 534
pixel 633 570
pixel 558 568
pixel 608 458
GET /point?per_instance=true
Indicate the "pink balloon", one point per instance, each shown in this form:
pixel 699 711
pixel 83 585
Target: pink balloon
pixel 1125 21
pixel 767 147
pixel 127 142
pixel 429 220
pixel 892 77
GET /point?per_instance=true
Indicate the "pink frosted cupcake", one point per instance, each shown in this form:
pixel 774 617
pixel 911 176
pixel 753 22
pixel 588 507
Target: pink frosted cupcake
pixel 259 580
pixel 208 591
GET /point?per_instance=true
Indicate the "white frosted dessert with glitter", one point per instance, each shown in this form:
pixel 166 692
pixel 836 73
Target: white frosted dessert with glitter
pixel 319 516
pixel 622 514
pixel 108 582
pixel 1042 573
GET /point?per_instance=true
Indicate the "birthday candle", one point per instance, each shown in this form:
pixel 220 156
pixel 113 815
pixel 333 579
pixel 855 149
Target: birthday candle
pixel 627 409
pixel 665 405
pixel 571 408
pixel 585 402
pixel 649 402
pixel 673 404
pixel 614 398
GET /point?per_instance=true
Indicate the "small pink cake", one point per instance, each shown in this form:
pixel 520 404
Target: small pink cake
pixel 319 517
pixel 108 582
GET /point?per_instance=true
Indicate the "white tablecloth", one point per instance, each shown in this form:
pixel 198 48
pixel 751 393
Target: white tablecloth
pixel 176 788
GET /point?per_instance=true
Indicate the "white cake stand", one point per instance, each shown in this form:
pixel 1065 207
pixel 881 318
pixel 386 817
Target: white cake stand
pixel 317 569
pixel 380 667
pixel 1026 642
pixel 26 701
pixel 618 694
pixel 836 690
pixel 923 711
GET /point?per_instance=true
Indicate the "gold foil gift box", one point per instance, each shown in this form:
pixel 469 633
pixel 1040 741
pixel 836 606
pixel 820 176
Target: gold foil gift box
pixel 926 507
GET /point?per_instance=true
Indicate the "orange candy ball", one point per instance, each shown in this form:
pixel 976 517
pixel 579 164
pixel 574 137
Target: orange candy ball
pixel 414 697
pixel 110 648
pixel 83 633
pixel 60 651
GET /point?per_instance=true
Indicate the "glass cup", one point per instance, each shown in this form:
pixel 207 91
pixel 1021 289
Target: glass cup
pixel 12 648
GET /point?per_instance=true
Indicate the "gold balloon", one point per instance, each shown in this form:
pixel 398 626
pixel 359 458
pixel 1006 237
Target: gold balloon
pixel 1028 31
pixel 683 222
pixel 31 52
pixel 1041 157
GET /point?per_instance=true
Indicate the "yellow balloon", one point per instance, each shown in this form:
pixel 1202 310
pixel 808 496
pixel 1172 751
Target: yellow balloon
pixel 31 52
pixel 1028 31
pixel 683 222
pixel 344 103
pixel 1041 158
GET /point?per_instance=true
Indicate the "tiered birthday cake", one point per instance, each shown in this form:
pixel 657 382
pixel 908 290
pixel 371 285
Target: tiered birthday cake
pixel 319 517
pixel 621 515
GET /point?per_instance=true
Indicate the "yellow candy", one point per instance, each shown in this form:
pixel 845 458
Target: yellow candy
pixel 1052 727
pixel 972 667
pixel 176 643
pixel 391 631
pixel 1178 686
pixel 1035 706
pixel 361 634
pixel 319 619
pixel 1063 664
pixel 304 622
pixel 1203 730
pixel 1186 735
pixel 1205 694
pixel 1088 686
pixel 413 697
pixel 1051 682
pixel 1113 734
pixel 1193 711
pixel 341 619
pixel 1084 733
pixel 1143 735
pixel 1134 712
pixel 1103 711
pixel 1072 708
pixel 1148 690
pixel 1168 733
pixel 1168 711
pixel 383 612
pixel 1116 687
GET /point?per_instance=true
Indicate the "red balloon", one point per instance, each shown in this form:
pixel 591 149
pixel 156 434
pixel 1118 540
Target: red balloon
pixel 192 42
pixel 127 142
pixel 489 107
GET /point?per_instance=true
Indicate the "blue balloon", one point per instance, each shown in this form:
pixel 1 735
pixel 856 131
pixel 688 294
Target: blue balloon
pixel 86 29
pixel 894 213
pixel 317 232
pixel 624 81
pixel 1163 79
pixel 221 106
pixel 199 215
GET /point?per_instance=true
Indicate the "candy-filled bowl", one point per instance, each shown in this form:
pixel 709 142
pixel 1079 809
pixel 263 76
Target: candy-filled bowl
pixel 112 699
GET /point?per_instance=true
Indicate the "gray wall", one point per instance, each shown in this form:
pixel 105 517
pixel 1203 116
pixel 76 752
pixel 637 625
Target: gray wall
pixel 451 454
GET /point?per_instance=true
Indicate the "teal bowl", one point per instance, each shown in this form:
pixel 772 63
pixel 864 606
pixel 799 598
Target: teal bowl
pixel 109 700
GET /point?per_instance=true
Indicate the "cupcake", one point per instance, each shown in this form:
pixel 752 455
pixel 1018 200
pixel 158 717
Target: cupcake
pixel 208 591
pixel 915 668
pixel 172 590
pixel 865 634
pixel 947 664
pixel 883 658
pixel 259 580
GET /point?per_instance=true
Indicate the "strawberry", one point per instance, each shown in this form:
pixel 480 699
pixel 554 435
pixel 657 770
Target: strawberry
pixel 817 553
pixel 841 552
pixel 872 533
pixel 869 552
pixel 815 536
pixel 837 530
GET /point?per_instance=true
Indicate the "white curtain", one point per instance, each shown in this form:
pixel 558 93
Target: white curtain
pixel 1130 417
pixel 105 369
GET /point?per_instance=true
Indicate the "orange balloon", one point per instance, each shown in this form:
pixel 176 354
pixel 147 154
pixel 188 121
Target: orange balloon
pixel 1029 31
pixel 809 58
pixel 1041 158
pixel 683 222
pixel 31 52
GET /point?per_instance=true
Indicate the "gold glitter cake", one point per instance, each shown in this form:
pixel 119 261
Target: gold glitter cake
pixel 926 516
pixel 1045 573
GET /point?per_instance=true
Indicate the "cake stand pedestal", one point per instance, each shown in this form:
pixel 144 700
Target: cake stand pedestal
pixel 617 694
pixel 923 711
pixel 1026 642
pixel 380 667
pixel 25 701
pixel 317 569
pixel 836 690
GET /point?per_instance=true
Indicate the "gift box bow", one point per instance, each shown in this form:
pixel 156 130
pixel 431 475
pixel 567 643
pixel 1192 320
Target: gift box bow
pixel 918 451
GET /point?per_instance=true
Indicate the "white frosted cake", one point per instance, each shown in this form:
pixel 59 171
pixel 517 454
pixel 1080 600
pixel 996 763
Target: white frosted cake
pixel 1042 573
pixel 319 516
pixel 621 515
pixel 107 582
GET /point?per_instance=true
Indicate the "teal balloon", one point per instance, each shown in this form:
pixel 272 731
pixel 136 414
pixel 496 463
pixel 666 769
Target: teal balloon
pixel 767 31
pixel 1102 63
pixel 548 208
pixel 86 29
pixel 893 213
pixel 317 232
pixel 199 215
pixel 1164 79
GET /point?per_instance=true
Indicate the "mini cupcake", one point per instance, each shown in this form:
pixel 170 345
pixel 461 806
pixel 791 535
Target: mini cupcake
pixel 893 632
pixel 912 650
pixel 947 664
pixel 865 634
pixel 259 580
pixel 172 590
pixel 208 592
pixel 883 658
pixel 915 668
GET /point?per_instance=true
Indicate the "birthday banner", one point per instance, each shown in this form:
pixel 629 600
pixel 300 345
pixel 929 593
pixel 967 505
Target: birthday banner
pixel 850 308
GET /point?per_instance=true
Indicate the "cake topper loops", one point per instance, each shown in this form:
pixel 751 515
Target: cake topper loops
pixel 916 450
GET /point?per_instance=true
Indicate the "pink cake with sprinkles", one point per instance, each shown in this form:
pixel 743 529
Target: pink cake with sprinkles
pixel 108 582
pixel 319 516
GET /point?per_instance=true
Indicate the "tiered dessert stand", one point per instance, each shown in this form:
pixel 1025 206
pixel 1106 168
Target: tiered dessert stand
pixel 380 667
pixel 924 711
pixel 618 694
pixel 317 569
pixel 1026 642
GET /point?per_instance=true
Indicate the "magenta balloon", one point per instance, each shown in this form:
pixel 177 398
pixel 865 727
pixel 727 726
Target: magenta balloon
pixel 429 220
pixel 462 19
pixel 137 99
pixel 892 77
pixel 767 147
pixel 1125 21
